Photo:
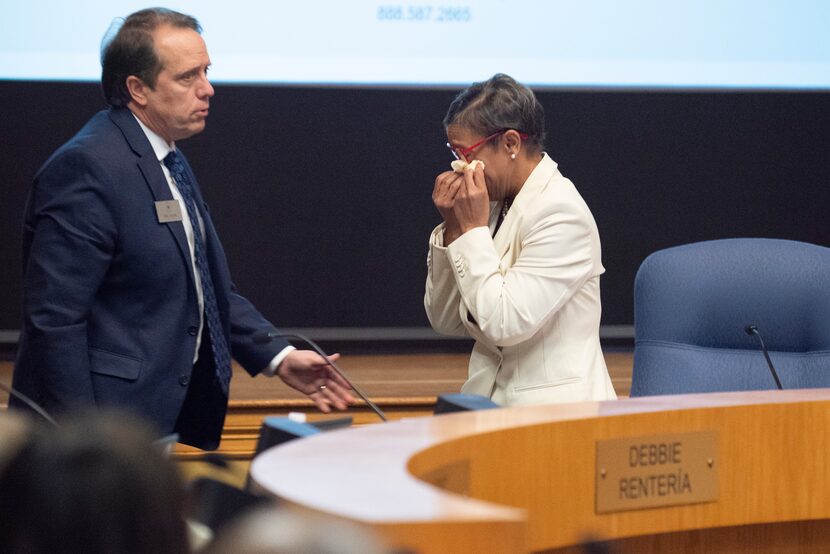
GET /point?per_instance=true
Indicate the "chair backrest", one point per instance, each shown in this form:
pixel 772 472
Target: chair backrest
pixel 693 302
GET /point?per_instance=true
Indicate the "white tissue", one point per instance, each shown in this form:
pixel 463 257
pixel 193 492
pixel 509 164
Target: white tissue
pixel 460 165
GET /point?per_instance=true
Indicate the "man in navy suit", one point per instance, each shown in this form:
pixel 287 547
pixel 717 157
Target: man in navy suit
pixel 127 297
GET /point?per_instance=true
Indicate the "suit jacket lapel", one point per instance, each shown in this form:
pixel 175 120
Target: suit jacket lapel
pixel 212 245
pixel 537 180
pixel 506 232
pixel 150 169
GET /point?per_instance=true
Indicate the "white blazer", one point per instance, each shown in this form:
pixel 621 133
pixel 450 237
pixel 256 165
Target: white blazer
pixel 529 297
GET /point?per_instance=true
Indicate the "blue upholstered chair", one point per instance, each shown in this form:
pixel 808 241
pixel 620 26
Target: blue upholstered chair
pixel 693 302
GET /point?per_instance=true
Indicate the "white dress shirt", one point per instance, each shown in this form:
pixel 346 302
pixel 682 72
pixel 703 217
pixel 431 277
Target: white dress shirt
pixel 161 148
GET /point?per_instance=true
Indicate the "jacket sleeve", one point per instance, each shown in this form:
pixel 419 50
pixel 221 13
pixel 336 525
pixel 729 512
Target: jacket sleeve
pixel 510 306
pixel 442 298
pixel 246 321
pixel 70 239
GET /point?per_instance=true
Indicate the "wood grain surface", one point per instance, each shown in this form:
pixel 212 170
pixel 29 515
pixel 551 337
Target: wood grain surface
pixel 532 469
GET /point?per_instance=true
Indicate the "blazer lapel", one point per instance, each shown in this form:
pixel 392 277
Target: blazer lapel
pixel 214 252
pixel 506 233
pixel 537 180
pixel 150 169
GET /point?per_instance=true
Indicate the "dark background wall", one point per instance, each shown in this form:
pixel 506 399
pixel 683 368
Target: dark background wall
pixel 322 196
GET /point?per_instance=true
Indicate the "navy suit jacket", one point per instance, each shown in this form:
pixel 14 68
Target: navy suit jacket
pixel 110 309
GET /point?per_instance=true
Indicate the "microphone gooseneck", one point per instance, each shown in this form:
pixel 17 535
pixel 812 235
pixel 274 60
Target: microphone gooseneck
pixel 265 337
pixel 753 330
pixel 29 402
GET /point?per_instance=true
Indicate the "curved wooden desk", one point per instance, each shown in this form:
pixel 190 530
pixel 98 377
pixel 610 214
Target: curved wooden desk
pixel 526 476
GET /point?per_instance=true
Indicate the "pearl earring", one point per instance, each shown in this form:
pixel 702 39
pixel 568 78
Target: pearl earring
pixel 513 156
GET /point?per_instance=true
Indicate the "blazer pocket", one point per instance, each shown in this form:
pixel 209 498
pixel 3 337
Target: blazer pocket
pixel 103 362
pixel 537 386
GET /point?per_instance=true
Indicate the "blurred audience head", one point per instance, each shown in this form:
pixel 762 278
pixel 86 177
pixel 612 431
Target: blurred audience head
pixel 14 430
pixel 94 484
pixel 273 530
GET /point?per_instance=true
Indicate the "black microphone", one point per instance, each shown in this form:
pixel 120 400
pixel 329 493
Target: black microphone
pixel 753 330
pixel 265 337
pixel 29 402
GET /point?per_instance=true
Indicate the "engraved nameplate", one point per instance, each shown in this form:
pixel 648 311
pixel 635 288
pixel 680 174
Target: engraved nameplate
pixel 656 470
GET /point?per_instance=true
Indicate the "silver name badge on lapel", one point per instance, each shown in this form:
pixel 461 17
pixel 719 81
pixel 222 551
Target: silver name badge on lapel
pixel 168 210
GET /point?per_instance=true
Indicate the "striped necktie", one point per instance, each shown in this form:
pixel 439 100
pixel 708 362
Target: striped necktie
pixel 219 345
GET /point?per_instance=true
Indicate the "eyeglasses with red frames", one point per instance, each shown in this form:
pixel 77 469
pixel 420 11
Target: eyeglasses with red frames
pixel 463 153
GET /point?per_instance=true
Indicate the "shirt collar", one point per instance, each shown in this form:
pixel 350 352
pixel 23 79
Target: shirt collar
pixel 160 146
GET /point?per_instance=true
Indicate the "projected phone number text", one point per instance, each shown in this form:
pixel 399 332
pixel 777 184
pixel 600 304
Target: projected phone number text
pixel 424 13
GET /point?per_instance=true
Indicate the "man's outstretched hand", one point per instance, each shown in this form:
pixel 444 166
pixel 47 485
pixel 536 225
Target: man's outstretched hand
pixel 311 374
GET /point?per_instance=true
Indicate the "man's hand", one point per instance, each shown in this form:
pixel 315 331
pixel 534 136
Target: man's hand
pixel 472 202
pixel 444 192
pixel 309 373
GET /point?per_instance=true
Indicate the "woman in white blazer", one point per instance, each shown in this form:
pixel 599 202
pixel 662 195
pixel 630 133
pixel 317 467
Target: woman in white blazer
pixel 516 262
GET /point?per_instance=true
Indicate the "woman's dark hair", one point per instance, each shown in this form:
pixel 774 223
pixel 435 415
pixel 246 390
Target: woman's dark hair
pixel 96 484
pixel 131 51
pixel 498 104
